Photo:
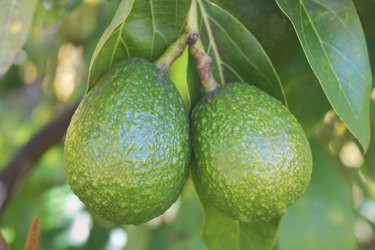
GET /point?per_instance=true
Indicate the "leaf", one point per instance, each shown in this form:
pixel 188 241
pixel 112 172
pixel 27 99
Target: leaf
pixel 265 20
pixel 142 28
pixel 306 99
pixel 223 232
pixel 365 9
pixel 333 40
pixel 324 217
pixel 189 90
pixel 16 18
pixel 193 80
pixel 236 54
pixel 33 235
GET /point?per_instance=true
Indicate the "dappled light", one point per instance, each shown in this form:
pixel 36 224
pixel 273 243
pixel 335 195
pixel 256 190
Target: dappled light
pixel 68 64
pixel 117 239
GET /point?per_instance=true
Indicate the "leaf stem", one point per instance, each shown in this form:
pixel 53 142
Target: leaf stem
pixel 172 53
pixel 197 50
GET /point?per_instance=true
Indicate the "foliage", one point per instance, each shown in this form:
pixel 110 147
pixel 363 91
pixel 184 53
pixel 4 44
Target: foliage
pixel 312 55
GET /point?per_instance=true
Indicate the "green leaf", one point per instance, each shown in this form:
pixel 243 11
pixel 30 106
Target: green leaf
pixel 333 40
pixel 236 54
pixel 16 17
pixel 193 80
pixel 324 217
pixel 142 28
pixel 190 90
pixel 306 99
pixel 223 232
pixel 365 9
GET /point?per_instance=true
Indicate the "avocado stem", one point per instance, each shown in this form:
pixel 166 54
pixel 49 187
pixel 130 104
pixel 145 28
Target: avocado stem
pixel 197 50
pixel 204 69
pixel 172 53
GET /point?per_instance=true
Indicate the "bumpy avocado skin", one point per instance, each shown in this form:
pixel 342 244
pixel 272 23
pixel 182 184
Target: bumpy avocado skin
pixel 127 147
pixel 251 157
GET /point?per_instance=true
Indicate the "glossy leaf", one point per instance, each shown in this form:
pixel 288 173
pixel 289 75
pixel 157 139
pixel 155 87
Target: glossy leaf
pixel 236 54
pixel 333 41
pixel 324 217
pixel 223 232
pixel 141 28
pixel 16 18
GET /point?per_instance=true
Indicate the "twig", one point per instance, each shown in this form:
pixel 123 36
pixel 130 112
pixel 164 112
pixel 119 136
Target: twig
pixel 172 53
pixel 14 172
pixel 32 240
pixel 197 50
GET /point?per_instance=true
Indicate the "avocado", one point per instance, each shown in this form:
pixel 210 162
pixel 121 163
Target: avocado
pixel 251 157
pixel 127 148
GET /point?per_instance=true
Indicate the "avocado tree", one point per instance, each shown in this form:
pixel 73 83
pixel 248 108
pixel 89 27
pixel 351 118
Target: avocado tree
pixel 193 124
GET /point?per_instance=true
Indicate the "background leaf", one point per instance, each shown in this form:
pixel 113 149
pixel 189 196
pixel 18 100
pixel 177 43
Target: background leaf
pixel 334 43
pixel 365 9
pixel 236 54
pixel 16 18
pixel 223 232
pixel 325 213
pixel 140 28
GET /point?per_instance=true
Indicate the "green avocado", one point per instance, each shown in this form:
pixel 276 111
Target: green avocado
pixel 127 147
pixel 251 157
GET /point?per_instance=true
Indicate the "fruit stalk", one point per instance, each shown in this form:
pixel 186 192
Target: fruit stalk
pixel 197 50
pixel 173 52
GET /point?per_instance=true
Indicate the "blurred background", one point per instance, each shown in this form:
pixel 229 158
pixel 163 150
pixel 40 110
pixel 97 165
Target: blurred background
pixel 50 75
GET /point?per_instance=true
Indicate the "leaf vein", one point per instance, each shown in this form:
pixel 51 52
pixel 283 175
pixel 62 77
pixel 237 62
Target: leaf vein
pixel 337 16
pixel 330 65
pixel 153 28
pixel 242 53
pixel 118 39
pixel 346 59
pixel 233 71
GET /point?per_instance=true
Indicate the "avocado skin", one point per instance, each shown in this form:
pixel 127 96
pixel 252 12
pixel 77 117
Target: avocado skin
pixel 127 148
pixel 252 159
